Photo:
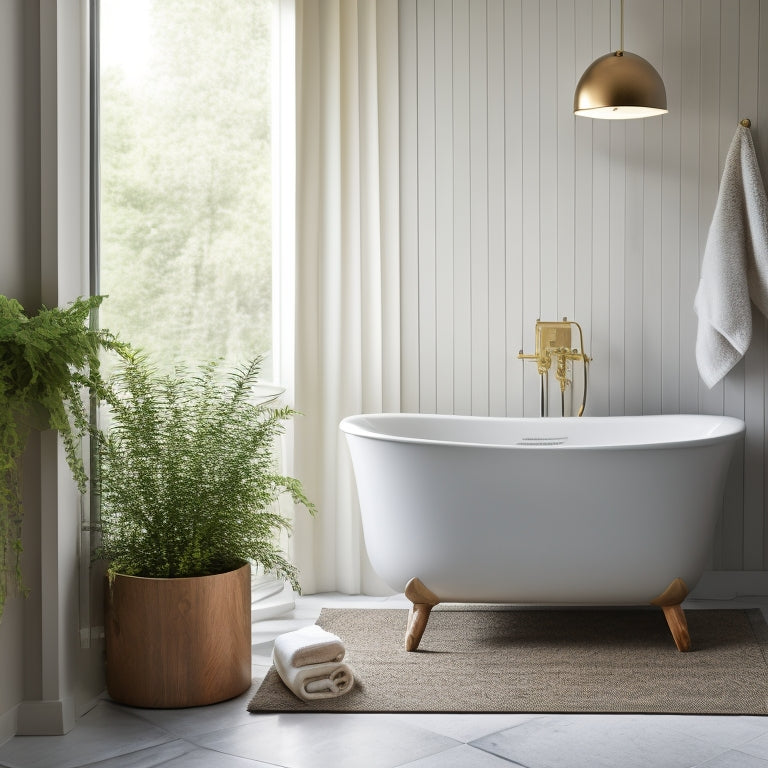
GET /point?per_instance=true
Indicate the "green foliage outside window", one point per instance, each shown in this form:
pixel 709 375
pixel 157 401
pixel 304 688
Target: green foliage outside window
pixel 186 177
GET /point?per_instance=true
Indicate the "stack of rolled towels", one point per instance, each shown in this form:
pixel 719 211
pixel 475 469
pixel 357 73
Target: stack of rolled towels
pixel 310 661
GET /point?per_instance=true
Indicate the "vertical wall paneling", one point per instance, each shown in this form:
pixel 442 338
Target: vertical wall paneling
pixel 650 329
pixel 425 25
pixel 690 178
pixel 760 136
pixel 636 171
pixel 513 209
pixel 733 389
pixel 547 126
pixel 409 217
pixel 478 203
pixel 444 192
pixel 604 188
pixel 531 184
pixel 671 203
pixel 709 150
pixel 582 179
pixel 749 59
pixel 462 298
pixel 754 363
pixel 652 285
pixel 565 242
pixel 735 528
pixel 497 299
pixel 729 543
pixel 634 260
pixel 616 225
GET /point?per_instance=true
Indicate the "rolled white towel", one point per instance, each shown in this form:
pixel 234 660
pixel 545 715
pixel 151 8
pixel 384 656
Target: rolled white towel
pixel 316 681
pixel 309 645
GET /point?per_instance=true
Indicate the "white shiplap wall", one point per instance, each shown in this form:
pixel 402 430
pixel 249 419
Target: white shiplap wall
pixel 513 209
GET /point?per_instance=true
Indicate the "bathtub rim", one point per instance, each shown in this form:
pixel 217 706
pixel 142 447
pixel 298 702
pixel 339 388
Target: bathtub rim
pixel 731 428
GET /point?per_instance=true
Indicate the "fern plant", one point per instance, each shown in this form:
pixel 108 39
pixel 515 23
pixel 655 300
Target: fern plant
pixel 49 369
pixel 187 477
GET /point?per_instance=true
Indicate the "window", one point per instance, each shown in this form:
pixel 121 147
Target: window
pixel 185 177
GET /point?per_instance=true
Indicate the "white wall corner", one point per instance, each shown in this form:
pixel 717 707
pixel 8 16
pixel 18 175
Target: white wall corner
pixel 64 276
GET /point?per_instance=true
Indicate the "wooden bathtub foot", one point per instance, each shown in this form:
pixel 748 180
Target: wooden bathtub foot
pixel 423 602
pixel 678 626
pixel 670 602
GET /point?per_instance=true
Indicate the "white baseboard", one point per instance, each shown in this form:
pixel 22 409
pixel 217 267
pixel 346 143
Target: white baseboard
pixel 46 718
pixel 727 585
pixel 9 724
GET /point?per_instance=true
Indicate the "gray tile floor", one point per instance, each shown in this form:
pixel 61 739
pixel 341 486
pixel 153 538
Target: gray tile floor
pixel 227 736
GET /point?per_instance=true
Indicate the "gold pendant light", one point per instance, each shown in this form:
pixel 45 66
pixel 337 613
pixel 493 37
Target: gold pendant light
pixel 620 86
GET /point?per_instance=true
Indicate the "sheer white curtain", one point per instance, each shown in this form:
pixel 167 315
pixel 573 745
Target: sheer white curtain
pixel 339 339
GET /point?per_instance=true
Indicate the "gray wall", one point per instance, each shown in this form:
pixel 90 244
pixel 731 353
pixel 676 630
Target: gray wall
pixel 17 278
pixel 514 209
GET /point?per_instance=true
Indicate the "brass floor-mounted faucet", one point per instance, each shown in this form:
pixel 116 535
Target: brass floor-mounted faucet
pixel 554 345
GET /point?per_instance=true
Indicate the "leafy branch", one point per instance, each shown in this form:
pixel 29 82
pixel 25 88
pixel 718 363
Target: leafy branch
pixel 187 478
pixel 49 371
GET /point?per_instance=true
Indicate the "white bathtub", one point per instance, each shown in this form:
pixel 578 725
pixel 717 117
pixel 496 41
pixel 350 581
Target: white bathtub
pixel 610 511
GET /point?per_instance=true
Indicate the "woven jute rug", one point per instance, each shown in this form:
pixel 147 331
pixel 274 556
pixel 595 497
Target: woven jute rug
pixel 610 661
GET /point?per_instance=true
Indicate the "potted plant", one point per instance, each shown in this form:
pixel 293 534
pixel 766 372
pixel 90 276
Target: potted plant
pixel 49 368
pixel 188 488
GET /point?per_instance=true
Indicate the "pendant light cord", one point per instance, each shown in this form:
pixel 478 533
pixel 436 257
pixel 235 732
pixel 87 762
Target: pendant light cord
pixel 621 44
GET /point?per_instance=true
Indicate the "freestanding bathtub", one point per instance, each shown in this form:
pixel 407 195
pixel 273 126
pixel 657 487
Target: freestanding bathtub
pixel 589 511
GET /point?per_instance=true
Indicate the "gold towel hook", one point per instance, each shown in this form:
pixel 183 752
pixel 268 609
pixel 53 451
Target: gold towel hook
pixel 746 122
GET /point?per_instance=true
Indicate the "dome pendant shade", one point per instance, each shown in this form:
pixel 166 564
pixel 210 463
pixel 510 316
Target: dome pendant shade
pixel 620 86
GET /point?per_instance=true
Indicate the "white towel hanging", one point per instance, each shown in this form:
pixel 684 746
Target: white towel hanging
pixel 735 265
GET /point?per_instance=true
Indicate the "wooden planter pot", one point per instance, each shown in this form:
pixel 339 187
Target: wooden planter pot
pixel 178 642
